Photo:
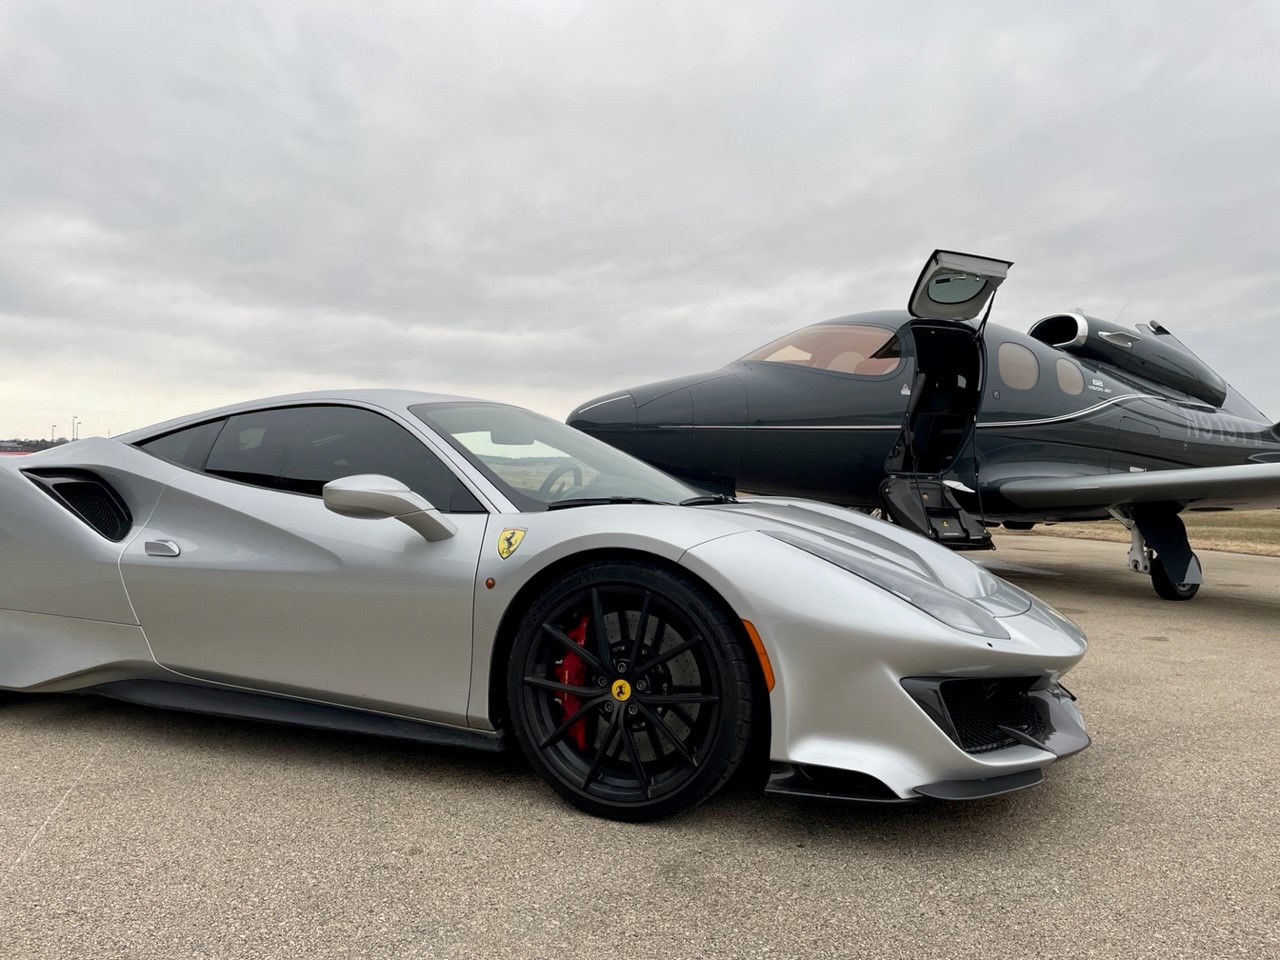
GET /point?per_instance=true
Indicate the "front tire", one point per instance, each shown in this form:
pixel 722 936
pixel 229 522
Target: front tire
pixel 1166 588
pixel 629 691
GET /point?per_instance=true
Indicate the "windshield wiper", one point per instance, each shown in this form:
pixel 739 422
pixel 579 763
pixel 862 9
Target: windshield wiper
pixel 708 498
pixel 596 502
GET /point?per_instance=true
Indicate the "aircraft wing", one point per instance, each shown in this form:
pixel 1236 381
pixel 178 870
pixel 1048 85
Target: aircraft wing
pixel 1247 486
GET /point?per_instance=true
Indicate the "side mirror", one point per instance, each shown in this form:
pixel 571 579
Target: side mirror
pixel 370 496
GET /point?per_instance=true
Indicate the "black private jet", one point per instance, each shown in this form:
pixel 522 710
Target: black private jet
pixel 949 425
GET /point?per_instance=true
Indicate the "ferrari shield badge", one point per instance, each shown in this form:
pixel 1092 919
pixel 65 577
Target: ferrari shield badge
pixel 509 541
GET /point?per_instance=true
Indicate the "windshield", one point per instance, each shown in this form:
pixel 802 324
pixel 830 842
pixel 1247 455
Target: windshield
pixel 537 461
pixel 858 348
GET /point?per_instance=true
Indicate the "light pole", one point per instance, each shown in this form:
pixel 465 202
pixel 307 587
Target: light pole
pixel 53 432
pixel 74 428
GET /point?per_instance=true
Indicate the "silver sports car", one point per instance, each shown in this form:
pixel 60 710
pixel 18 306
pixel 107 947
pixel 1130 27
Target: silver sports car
pixel 463 572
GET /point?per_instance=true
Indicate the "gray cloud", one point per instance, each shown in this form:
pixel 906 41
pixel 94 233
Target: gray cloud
pixel 201 203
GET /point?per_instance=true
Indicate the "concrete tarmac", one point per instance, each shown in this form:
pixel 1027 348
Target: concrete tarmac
pixel 130 832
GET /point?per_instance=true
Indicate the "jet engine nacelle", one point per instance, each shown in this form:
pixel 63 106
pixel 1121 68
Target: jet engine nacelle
pixel 1154 354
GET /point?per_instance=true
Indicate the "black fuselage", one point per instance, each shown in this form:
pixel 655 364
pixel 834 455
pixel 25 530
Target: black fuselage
pixel 977 411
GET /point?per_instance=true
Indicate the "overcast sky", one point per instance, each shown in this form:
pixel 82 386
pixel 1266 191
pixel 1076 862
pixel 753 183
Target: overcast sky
pixel 542 201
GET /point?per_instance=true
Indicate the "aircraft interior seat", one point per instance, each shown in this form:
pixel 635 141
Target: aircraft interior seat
pixel 876 366
pixel 846 362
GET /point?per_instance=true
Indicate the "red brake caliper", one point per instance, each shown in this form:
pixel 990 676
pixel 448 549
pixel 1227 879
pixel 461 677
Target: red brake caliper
pixel 573 671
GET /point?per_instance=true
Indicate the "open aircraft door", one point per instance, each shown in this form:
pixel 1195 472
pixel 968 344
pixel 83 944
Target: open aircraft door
pixel 923 484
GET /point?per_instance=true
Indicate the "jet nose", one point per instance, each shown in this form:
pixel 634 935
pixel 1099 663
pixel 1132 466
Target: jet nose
pixel 606 416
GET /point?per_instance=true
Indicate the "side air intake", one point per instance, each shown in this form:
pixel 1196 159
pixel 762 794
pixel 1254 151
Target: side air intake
pixel 89 497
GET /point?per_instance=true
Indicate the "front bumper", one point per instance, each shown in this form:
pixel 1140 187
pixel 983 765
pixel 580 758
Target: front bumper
pixel 824 783
pixel 841 648
pixel 981 716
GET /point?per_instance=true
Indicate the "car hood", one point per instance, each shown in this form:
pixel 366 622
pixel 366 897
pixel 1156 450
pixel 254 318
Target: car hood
pixel 855 539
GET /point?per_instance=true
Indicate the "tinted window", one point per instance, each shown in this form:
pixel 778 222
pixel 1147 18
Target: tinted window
pixel 859 348
pixel 955 288
pixel 1019 367
pixel 300 449
pixel 188 446
pixel 1070 378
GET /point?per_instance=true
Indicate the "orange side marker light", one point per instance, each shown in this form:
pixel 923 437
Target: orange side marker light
pixel 763 654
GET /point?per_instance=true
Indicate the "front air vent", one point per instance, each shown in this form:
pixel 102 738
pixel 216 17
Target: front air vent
pixel 984 711
pixel 88 497
pixel 980 715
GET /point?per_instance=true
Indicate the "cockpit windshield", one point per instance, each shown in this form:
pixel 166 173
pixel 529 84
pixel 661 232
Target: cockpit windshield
pixel 537 461
pixel 862 349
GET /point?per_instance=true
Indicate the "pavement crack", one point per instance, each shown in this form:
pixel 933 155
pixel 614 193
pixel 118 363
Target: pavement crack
pixel 35 837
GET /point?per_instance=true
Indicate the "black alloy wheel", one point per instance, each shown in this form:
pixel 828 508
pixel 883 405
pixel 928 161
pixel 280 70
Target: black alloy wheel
pixel 1166 588
pixel 629 691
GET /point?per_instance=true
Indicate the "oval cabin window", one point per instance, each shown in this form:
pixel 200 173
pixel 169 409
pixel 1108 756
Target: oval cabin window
pixel 1070 378
pixel 1019 368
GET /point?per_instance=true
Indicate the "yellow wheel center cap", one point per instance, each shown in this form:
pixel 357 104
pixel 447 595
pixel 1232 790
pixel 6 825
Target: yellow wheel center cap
pixel 621 690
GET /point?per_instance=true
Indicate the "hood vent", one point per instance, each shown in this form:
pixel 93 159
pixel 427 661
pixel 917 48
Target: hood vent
pixel 89 497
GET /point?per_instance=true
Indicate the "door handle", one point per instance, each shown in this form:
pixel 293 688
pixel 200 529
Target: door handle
pixel 162 548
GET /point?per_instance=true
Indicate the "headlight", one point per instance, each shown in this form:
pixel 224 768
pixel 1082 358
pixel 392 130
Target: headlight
pixel 932 598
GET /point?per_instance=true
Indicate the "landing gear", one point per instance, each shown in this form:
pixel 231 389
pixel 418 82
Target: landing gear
pixel 1166 588
pixel 1158 546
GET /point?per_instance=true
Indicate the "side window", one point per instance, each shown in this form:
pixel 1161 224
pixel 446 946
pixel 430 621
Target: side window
pixel 188 446
pixel 1070 378
pixel 300 449
pixel 1019 367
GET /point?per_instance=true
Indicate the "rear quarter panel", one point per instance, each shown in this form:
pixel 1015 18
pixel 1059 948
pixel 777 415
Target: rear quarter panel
pixel 51 562
pixel 65 620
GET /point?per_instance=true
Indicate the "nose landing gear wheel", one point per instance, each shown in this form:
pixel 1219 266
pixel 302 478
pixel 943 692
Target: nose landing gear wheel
pixel 629 691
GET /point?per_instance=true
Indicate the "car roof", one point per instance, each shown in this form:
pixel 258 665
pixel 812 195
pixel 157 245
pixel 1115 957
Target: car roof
pixel 387 399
